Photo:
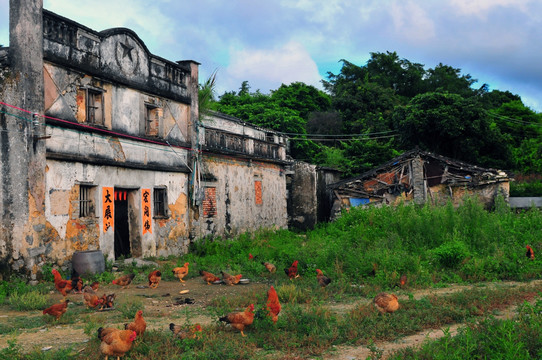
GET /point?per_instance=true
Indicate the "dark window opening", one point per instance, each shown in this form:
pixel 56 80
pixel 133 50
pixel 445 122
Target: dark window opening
pixel 160 202
pixel 95 114
pixel 86 207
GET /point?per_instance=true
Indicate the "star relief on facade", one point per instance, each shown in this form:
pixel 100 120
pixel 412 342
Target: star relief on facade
pixel 127 55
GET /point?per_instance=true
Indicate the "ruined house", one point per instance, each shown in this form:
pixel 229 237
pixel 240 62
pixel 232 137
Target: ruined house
pixel 420 176
pixel 101 150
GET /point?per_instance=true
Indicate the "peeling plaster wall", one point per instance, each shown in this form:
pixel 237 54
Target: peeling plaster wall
pixel 236 208
pixel 303 200
pixel 486 194
pixel 72 233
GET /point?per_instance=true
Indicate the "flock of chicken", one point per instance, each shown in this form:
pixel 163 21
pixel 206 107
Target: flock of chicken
pixel 116 342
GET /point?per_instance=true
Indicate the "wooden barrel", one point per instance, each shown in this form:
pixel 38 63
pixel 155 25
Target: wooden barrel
pixel 88 262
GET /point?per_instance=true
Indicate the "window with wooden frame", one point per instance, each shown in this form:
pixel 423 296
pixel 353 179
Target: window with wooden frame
pixel 160 202
pixel 90 106
pixel 86 203
pixel 95 109
pixel 153 114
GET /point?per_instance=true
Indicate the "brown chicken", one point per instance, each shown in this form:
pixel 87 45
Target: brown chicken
pixel 185 332
pixel 181 272
pixel 240 320
pixel 292 270
pixel 273 304
pixel 107 301
pixel 270 267
pixel 115 342
pixel 231 279
pixel 91 299
pixel 138 325
pixel 95 285
pixel 386 303
pixel 64 286
pixel 77 284
pixel 322 279
pixel 402 281
pixel 124 280
pixel 530 252
pixel 154 279
pixel 208 277
pixel 57 310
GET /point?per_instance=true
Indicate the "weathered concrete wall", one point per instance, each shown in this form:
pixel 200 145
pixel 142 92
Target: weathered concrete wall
pixel 23 155
pixel 486 194
pixel 73 233
pixel 525 202
pixel 325 197
pixel 418 183
pixel 238 207
pixel 124 108
pixel 118 55
pixel 302 200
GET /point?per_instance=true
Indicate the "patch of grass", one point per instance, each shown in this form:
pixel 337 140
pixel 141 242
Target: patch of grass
pixel 292 293
pixel 91 325
pixel 32 300
pixel 21 322
pixel 129 307
pixel 487 339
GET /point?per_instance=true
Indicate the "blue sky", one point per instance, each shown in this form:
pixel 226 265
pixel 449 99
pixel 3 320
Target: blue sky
pixel 267 43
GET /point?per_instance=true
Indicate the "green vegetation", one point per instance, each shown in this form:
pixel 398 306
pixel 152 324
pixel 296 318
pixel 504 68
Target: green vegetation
pixel 429 244
pixel 364 252
pixel 391 105
pixel 488 339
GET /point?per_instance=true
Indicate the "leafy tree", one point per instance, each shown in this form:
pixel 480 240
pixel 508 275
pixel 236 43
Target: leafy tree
pixel 328 123
pixel 450 125
pixel 301 97
pixel 206 95
pixel 400 75
pixel 365 154
pixel 444 78
pixel 280 111
pixel 496 98
pixel 517 120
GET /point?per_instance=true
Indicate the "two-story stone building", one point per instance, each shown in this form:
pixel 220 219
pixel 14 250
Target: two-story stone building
pixel 102 148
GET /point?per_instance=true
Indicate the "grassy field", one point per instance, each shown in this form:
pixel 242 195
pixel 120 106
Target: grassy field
pixel 364 252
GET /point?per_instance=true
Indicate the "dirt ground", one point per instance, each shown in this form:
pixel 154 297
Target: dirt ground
pixel 161 310
pixel 159 306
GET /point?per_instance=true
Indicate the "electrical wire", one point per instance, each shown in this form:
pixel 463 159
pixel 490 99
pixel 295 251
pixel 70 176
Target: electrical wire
pixel 339 139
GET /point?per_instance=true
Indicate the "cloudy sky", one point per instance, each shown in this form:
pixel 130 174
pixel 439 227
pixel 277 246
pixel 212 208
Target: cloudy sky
pixel 270 42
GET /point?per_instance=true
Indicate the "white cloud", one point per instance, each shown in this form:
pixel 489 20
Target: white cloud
pixel 325 12
pixel 412 22
pixel 267 69
pixel 481 7
pixel 143 17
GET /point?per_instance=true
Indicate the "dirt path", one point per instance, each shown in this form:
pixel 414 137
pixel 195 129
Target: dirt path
pixel 344 352
pixel 160 310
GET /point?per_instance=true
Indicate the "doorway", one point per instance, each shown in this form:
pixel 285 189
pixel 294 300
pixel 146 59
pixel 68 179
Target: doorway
pixel 122 224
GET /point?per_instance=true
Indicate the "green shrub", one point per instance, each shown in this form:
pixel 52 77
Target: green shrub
pixel 526 189
pixel 451 254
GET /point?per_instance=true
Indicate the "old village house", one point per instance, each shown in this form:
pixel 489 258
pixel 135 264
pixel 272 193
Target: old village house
pixel 420 176
pixel 102 148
